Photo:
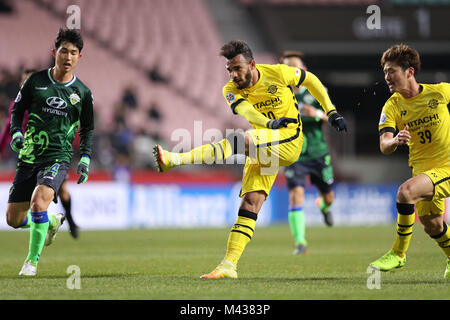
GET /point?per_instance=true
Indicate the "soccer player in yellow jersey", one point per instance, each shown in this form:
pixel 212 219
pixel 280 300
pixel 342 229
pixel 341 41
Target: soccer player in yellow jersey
pixel 261 94
pixel 419 111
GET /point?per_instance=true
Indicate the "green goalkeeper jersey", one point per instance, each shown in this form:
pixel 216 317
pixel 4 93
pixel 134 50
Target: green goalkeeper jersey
pixel 55 110
pixel 314 145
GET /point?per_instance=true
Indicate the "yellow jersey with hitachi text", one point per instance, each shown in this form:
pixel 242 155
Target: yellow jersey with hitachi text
pixel 428 121
pixel 271 95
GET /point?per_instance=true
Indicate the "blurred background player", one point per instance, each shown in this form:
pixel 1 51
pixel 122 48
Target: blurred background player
pixel 261 94
pixel 5 139
pixel 420 112
pixel 57 102
pixel 314 160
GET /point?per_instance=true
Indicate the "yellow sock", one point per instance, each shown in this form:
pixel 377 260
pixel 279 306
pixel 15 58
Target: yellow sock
pixel 240 235
pixel 443 240
pixel 405 223
pixel 211 153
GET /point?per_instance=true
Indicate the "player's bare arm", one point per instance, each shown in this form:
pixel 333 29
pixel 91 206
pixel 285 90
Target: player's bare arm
pixel 389 142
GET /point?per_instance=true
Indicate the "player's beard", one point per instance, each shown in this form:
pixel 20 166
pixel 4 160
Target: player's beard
pixel 248 80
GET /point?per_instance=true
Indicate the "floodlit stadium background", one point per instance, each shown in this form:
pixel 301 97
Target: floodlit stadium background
pixel 156 76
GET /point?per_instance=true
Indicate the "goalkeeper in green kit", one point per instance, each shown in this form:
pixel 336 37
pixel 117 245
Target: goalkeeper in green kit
pixel 57 103
pixel 314 161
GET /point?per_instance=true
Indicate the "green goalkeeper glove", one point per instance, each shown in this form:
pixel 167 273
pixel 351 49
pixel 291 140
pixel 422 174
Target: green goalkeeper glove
pixel 83 168
pixel 17 141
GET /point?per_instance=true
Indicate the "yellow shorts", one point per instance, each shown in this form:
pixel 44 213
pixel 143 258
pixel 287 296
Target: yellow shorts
pixel 274 149
pixel 441 181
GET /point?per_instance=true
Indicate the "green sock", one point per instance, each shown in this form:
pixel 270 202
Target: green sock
pixel 51 220
pixel 297 224
pixel 27 223
pixel 38 230
pixel 323 206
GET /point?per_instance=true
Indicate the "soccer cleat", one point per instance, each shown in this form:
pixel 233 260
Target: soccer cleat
pixel 29 269
pixel 327 216
pixel 300 249
pixel 74 230
pixel 224 270
pixel 52 230
pixel 161 159
pixel 447 270
pixel 388 261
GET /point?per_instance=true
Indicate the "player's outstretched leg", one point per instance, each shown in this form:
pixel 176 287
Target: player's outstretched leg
pixel 55 222
pixel 211 153
pixel 325 209
pixel 389 261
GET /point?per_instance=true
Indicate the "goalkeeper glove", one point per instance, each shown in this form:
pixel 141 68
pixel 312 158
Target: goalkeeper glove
pixel 337 122
pixel 280 123
pixel 83 168
pixel 17 141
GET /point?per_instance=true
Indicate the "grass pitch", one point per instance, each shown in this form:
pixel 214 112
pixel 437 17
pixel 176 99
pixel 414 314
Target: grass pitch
pixel 166 265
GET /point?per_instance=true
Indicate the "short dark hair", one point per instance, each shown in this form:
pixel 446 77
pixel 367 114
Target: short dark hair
pixel 236 47
pixel 402 55
pixel 69 35
pixel 290 53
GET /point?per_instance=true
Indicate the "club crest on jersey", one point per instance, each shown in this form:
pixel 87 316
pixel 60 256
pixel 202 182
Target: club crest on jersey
pixel 230 97
pixel 272 89
pixel 74 98
pixel 433 103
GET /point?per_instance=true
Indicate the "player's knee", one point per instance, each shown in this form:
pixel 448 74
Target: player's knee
pixel 41 198
pixel 237 142
pixel 39 203
pixel 253 201
pixel 405 193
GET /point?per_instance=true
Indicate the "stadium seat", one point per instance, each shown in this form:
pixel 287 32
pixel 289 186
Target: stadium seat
pixel 123 43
